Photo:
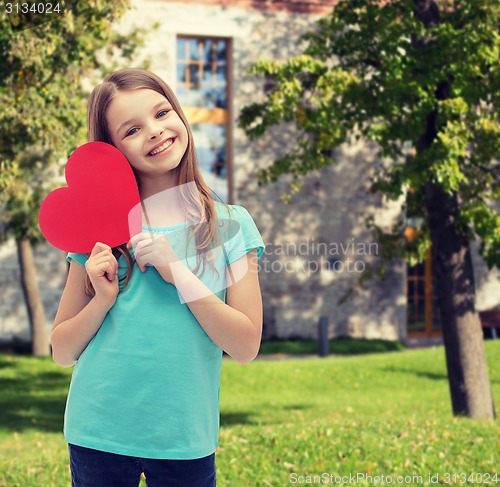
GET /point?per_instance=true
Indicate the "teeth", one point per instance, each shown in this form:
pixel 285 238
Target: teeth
pixel 166 145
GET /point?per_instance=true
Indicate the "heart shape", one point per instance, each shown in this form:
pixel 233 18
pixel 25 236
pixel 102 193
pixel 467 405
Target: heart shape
pixel 95 207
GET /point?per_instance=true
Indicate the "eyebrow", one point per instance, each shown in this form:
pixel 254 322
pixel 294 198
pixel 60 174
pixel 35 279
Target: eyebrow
pixel 128 122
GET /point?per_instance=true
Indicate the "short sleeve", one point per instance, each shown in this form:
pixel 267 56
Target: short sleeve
pixel 243 236
pixel 80 258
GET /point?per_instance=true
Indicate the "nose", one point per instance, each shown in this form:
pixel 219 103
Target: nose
pixel 155 131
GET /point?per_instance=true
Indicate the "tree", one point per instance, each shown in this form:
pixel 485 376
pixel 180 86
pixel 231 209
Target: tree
pixel 42 94
pixel 407 73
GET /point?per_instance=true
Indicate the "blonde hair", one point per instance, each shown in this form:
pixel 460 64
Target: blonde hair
pixel 201 209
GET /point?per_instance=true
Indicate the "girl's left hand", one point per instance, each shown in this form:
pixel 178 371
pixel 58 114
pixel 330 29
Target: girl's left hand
pixel 155 250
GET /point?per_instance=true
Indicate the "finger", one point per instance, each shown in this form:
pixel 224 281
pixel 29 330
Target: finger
pixel 114 267
pixel 142 259
pixel 111 272
pixel 97 255
pixel 137 238
pixel 99 247
pixel 153 256
pixel 100 258
pixel 104 254
pixel 140 264
pixel 143 244
pixel 104 269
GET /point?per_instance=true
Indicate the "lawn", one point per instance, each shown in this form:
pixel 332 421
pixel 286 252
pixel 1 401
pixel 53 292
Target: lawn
pixel 284 421
pixel 339 345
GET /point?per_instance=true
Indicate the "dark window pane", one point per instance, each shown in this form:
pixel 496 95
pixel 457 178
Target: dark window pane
pixel 410 310
pixel 209 97
pixel 421 287
pixel 411 289
pixel 181 73
pixel 415 322
pixel 194 50
pixel 207 52
pixel 221 51
pixel 181 48
pixel 420 326
pixel 208 77
pixel 194 76
pixel 421 309
pixel 221 75
pixel 221 98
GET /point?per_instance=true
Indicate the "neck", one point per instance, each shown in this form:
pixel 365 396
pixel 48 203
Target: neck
pixel 160 200
pixel 151 185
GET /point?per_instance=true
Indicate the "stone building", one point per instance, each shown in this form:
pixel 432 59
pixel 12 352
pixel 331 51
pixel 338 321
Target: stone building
pixel 317 246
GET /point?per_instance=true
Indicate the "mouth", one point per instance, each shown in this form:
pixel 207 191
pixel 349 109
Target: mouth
pixel 163 147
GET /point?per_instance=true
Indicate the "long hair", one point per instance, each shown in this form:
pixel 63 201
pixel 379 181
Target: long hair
pixel 201 209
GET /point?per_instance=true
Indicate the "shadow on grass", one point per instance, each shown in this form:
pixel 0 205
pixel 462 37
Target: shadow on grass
pixel 31 399
pixel 338 346
pixel 418 373
pixel 296 407
pixel 229 419
pixel 243 418
pixel 426 375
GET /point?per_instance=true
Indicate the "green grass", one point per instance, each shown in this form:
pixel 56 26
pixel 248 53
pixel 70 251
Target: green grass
pixel 378 414
pixel 337 346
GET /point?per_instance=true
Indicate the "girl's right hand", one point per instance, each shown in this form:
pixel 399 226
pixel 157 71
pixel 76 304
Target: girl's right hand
pixel 102 268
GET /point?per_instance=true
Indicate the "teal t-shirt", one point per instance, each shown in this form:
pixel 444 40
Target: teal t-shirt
pixel 148 382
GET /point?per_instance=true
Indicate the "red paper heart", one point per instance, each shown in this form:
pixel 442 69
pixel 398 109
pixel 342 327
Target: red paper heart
pixel 95 206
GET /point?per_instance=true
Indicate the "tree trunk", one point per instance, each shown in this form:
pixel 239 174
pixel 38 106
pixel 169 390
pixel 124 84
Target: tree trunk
pixel 36 315
pixel 463 337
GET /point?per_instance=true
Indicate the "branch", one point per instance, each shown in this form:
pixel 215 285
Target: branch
pixel 427 11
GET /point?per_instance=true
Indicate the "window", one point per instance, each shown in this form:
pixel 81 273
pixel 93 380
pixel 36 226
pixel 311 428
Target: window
pixel 204 94
pixel 423 318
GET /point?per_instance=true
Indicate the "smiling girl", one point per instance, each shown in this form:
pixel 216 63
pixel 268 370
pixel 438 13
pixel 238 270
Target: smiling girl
pixel 143 329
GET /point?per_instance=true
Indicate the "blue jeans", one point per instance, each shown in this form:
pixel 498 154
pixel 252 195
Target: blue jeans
pixel 95 468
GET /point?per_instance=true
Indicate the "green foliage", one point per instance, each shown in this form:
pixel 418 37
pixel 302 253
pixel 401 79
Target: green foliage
pixel 32 179
pixel 366 76
pixel 43 99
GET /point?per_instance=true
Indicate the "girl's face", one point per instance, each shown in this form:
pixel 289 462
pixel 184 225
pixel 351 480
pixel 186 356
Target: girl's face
pixel 143 126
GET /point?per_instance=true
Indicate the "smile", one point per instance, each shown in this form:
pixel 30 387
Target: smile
pixel 162 148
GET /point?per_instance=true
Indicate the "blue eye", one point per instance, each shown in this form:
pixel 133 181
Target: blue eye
pixel 160 113
pixel 131 132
